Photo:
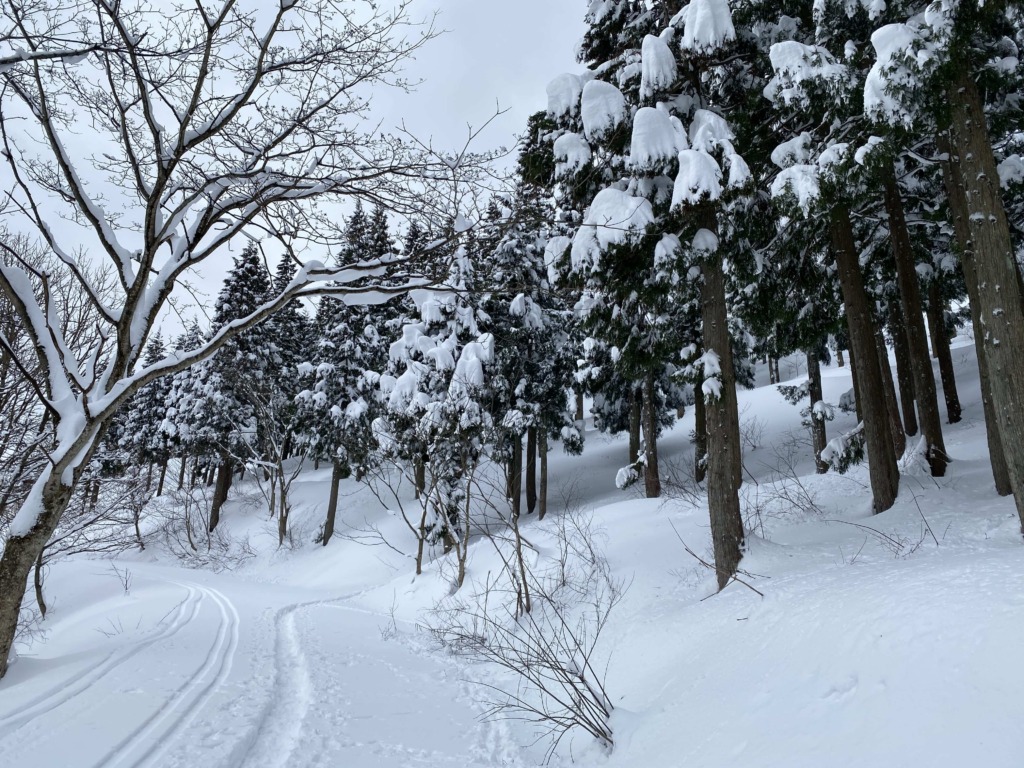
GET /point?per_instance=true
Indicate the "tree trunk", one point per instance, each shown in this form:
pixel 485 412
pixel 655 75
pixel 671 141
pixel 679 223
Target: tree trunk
pixel 635 417
pixel 579 408
pixel 892 406
pixel 652 478
pixel 959 213
pixel 723 428
pixel 700 434
pixel 940 345
pixel 163 476
pixel 220 493
pixel 818 436
pixel 904 372
pixel 839 357
pixel 772 378
pixel 531 470
pixel 882 468
pixel 542 450
pixel 515 476
pixel 995 270
pixel 337 470
pixel 913 316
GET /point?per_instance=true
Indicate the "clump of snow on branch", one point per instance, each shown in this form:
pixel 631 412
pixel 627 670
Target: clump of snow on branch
pixel 572 153
pixel 654 139
pixel 611 219
pixel 657 64
pixel 564 95
pixel 699 179
pixel 795 65
pixel 707 25
pixel 603 108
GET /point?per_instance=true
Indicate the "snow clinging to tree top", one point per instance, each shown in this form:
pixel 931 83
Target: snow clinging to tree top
pixel 603 108
pixel 707 25
pixel 654 139
pixel 611 219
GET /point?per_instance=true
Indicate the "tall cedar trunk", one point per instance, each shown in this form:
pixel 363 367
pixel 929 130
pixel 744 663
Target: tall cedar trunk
pixel 531 470
pixel 940 345
pixel 959 213
pixel 635 416
pixel 818 437
pixel 772 379
pixel 723 426
pixel 839 357
pixel 882 469
pixel 892 406
pixel 181 472
pixel 220 493
pixel 855 379
pixel 515 476
pixel 904 372
pixel 652 477
pixel 700 434
pixel 778 371
pixel 542 451
pixel 149 475
pixel 579 407
pixel 917 337
pixel 163 476
pixel 337 471
pixel 995 270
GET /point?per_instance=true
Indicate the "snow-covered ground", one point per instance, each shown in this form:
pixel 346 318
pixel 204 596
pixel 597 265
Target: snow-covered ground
pixel 860 641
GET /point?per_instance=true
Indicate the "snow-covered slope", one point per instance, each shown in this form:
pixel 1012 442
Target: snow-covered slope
pixel 857 640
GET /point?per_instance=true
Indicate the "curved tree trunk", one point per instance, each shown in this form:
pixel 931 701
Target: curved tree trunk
pixel 337 471
pixel 917 337
pixel 723 429
pixel 995 270
pixel 882 468
pixel 220 494
pixel 904 372
pixel 940 345
pixel 892 405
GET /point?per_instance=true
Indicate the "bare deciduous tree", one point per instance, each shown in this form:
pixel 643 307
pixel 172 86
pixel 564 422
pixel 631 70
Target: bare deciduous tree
pixel 156 134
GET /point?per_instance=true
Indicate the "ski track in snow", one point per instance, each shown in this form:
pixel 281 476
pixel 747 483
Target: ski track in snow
pixel 147 743
pixel 183 615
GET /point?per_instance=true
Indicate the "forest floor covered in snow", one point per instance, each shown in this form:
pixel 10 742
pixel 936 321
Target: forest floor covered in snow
pixel 855 640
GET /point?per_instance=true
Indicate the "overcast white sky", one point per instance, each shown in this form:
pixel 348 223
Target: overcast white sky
pixel 494 53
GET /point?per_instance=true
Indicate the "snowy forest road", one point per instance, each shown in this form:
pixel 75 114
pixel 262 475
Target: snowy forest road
pixel 246 675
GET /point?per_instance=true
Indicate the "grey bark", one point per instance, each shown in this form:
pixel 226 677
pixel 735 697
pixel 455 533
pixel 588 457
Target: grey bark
pixel 904 373
pixel 995 270
pixel 940 346
pixel 818 436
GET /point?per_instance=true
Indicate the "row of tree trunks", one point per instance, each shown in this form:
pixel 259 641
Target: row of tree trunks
pixel 774 376
pixel 995 272
pixel 536 460
pixel 882 468
pixel 819 439
pixel 913 317
pixel 942 352
pixel 724 460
